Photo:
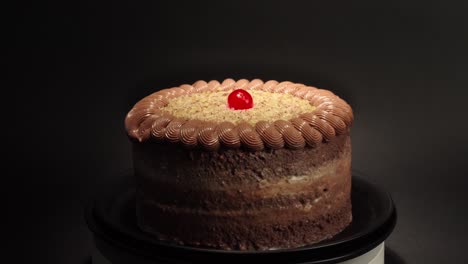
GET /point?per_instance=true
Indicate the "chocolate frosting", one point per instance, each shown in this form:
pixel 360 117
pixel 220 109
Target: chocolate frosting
pixel 148 120
pixel 228 135
pixel 249 137
pixel 208 137
pixel 270 135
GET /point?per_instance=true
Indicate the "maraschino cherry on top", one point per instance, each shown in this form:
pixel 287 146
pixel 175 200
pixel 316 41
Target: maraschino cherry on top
pixel 240 100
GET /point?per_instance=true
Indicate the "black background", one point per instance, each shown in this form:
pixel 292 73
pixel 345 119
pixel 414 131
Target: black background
pixel 78 67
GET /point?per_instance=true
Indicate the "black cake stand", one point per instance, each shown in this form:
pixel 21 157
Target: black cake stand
pixel 118 240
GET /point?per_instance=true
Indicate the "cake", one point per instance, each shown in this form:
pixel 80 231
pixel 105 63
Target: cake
pixel 242 175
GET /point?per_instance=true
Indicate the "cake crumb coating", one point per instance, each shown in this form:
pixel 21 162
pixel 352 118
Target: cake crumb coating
pixel 212 106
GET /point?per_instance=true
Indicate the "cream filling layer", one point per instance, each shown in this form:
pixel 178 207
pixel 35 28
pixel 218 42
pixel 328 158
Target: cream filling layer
pixel 292 185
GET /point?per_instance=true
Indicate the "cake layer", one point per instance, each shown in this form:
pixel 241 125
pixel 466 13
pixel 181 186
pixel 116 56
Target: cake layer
pixel 329 180
pixel 235 180
pixel 318 194
pixel 280 228
pixel 168 162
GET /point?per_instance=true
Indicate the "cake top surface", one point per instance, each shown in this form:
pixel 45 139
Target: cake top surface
pixel 284 114
pixel 213 106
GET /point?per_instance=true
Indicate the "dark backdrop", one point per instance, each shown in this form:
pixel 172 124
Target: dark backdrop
pixel 79 67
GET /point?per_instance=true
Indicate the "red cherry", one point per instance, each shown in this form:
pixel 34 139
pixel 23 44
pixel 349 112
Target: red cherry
pixel 240 99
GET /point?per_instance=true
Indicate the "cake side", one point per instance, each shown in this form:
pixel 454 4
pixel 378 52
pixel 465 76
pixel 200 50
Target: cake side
pixel 223 200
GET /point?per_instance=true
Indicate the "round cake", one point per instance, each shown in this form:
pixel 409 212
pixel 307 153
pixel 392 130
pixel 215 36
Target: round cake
pixel 242 165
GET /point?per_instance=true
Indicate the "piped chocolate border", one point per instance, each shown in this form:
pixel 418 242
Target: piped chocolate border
pixel 332 116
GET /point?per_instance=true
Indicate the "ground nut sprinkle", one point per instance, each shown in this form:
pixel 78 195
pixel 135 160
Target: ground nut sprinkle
pixel 212 106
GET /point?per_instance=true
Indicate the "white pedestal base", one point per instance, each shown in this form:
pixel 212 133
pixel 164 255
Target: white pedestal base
pixel 375 256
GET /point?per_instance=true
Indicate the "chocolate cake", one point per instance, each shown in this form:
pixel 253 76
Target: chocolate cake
pixel 242 165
